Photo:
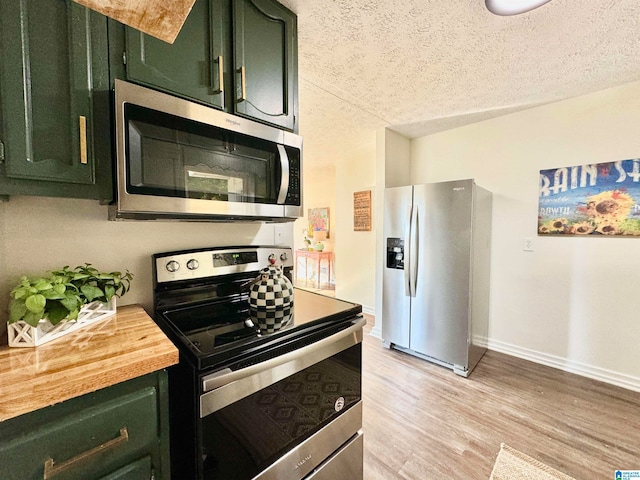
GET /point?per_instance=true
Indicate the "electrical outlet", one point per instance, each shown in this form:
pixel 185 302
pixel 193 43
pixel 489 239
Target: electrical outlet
pixel 527 244
pixel 278 234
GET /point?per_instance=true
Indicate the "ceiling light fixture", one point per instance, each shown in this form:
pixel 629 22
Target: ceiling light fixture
pixel 513 7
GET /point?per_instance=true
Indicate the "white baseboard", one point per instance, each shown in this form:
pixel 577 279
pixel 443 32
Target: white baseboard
pixel 376 331
pixel 608 376
pixel 368 310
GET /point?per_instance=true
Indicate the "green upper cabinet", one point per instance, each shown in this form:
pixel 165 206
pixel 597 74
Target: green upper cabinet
pixel 54 60
pixel 239 56
pixel 265 61
pixel 192 65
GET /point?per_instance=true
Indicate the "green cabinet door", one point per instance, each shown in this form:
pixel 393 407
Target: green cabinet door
pixel 138 470
pixel 47 76
pixel 236 55
pixel 265 62
pixel 194 65
pixel 120 432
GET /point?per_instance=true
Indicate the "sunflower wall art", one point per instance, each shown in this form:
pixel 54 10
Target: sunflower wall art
pixel 592 199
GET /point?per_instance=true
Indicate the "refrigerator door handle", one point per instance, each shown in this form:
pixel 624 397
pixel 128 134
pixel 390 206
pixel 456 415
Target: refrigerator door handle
pixel 413 256
pixel 407 251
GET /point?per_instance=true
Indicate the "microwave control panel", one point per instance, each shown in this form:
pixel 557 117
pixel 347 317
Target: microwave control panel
pixel 293 195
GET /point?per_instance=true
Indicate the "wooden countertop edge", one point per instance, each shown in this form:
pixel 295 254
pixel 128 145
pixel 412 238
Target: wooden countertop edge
pixel 107 378
pixel 51 387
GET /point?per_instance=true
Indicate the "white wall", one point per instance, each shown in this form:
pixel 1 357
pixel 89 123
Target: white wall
pixel 393 169
pixel 355 258
pixel 319 185
pixel 39 234
pixel 319 191
pixel 397 158
pixel 572 303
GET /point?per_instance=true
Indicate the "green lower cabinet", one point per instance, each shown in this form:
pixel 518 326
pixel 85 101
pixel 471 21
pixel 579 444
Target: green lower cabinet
pixel 120 432
pixel 138 470
pixel 53 89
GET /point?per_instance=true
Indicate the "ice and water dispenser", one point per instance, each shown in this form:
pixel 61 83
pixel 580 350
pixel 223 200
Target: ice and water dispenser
pixel 395 253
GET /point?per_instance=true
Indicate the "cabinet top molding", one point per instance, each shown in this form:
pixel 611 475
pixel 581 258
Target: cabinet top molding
pixel 158 18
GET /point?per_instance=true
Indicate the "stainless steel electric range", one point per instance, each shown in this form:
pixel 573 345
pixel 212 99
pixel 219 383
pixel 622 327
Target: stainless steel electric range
pixel 246 404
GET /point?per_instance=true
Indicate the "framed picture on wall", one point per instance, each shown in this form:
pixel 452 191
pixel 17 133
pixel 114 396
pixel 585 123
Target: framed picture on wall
pixel 319 220
pixel 592 199
pixel 362 211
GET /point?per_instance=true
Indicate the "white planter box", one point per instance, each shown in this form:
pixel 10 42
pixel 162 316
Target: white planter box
pixel 21 334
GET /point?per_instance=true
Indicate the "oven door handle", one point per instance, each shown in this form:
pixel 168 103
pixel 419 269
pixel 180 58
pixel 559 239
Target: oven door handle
pixel 226 386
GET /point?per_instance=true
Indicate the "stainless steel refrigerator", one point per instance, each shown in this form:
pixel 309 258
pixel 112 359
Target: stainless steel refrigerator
pixel 436 274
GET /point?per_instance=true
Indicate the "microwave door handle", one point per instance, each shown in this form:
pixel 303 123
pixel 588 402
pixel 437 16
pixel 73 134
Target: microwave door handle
pixel 284 181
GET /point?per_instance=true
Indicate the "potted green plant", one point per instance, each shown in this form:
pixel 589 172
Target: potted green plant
pixel 44 308
pixel 94 285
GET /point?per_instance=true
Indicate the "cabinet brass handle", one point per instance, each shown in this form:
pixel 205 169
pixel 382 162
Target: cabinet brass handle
pixel 50 469
pixel 83 139
pixel 243 84
pixel 220 75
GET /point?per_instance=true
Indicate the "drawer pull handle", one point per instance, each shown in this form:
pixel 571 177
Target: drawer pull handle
pixel 50 470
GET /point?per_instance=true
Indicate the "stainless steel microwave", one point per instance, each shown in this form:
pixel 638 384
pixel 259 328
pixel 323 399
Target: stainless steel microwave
pixel 177 159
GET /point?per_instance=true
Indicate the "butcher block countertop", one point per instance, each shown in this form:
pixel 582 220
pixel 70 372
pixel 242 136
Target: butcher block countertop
pixel 122 347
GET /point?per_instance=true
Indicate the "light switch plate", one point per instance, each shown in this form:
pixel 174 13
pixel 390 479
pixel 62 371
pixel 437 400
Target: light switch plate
pixel 527 244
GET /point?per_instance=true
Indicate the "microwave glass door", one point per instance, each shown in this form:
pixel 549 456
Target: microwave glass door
pixel 176 157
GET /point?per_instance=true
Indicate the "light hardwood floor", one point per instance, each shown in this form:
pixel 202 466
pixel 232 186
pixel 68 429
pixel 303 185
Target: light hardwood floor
pixel 423 422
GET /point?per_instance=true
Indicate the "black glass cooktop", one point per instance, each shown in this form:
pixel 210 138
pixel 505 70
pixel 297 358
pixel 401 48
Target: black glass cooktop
pixel 219 332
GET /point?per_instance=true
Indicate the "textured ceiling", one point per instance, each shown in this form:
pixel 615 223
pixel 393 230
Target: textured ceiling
pixel 423 66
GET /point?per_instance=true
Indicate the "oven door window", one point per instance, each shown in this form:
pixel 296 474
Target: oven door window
pixel 175 157
pixel 242 439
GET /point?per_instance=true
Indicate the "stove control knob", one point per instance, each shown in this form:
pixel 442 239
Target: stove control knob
pixel 172 266
pixel 272 259
pixel 192 264
pixel 283 257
